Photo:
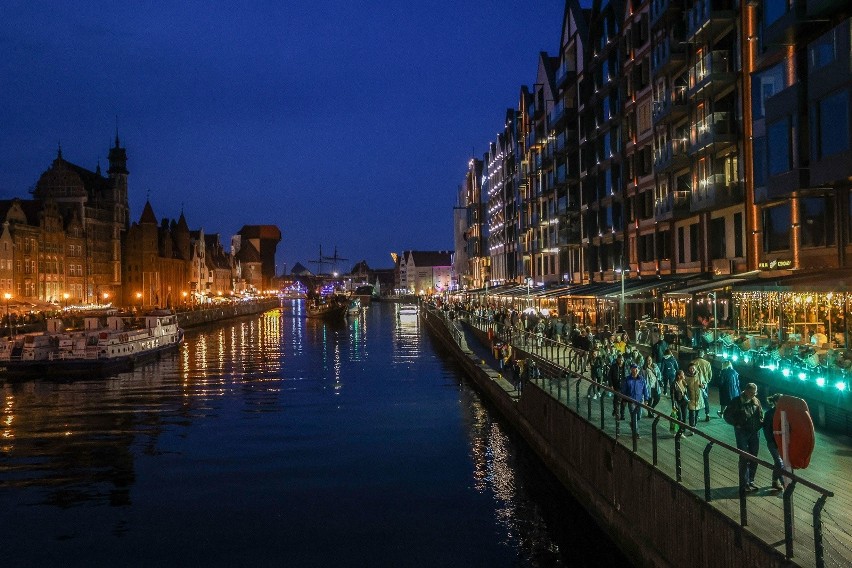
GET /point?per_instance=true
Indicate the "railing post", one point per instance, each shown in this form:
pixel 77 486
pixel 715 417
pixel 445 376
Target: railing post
pixel 603 413
pixel 654 438
pixel 819 550
pixel 707 496
pixel 589 403
pixel 577 399
pixel 678 463
pixel 788 517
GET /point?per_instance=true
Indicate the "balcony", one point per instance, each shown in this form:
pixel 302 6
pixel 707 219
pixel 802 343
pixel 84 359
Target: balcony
pixel 564 75
pixel 711 74
pixel 820 8
pixel 672 156
pixel 675 205
pixel 557 115
pixel 663 10
pixel 670 108
pixel 709 18
pixel 715 192
pixel 667 55
pixel 716 130
pixel 785 29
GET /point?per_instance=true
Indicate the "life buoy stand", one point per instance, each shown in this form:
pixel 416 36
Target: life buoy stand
pixel 802 441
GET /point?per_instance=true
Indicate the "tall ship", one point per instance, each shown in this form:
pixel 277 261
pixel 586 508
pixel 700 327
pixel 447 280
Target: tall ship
pixel 95 350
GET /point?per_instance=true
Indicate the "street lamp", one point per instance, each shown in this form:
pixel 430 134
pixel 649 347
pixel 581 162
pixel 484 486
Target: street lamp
pixel 106 297
pixel 8 297
pixel 65 297
pixel 139 299
pixel 621 300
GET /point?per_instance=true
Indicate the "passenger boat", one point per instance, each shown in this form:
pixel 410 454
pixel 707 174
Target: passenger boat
pixel 326 308
pixel 95 350
pixel 354 307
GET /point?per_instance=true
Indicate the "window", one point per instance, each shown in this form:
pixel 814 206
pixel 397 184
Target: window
pixel 738 234
pixel 816 216
pixel 824 50
pixel 764 85
pixel 774 10
pixel 663 252
pixel 718 246
pixel 681 245
pixel 779 146
pixel 693 242
pixel 759 159
pixel 832 124
pixel 776 228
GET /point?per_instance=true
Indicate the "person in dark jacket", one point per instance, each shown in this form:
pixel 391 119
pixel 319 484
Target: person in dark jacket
pixel 660 348
pixel 668 370
pixel 616 377
pixel 729 386
pixel 769 434
pixel 635 387
pixel 747 419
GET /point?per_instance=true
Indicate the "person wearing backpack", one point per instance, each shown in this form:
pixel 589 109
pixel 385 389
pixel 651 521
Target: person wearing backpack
pixel 745 414
pixel 668 371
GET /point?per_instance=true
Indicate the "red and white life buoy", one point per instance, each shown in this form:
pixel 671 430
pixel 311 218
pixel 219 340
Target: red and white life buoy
pixel 801 440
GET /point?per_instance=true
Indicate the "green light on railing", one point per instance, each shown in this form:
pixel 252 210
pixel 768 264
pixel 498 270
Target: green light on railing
pixel 802 376
pixel 746 359
pixel 785 372
pixel 736 358
pixel 820 381
pixel 840 385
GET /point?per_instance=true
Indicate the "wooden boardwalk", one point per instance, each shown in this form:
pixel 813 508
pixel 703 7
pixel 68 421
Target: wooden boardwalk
pixel 830 467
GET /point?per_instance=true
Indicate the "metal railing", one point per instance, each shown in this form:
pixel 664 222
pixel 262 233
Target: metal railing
pixel 560 373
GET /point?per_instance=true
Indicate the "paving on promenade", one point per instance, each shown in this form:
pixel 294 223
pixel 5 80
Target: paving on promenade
pixel 830 467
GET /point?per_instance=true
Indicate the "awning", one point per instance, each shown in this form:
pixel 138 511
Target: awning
pixel 712 285
pixel 810 281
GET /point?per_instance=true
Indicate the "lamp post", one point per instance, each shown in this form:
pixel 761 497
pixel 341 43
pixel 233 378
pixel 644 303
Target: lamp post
pixel 8 297
pixel 139 299
pixel 621 299
pixel 528 291
pixel 65 297
pixel 106 297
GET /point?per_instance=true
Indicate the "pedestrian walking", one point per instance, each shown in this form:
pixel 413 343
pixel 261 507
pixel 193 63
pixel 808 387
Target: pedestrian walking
pixel 680 398
pixel 729 386
pixel 705 372
pixel 668 369
pixel 635 388
pixel 652 376
pixel 616 376
pixel 695 389
pixel 746 415
pixel 778 483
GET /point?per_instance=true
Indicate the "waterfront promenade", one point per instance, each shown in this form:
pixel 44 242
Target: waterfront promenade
pixel 815 512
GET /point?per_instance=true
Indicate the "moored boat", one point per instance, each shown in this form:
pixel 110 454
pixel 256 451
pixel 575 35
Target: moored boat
pixel 326 308
pixel 407 309
pixel 120 345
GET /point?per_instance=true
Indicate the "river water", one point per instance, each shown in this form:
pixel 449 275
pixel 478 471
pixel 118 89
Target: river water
pixel 282 441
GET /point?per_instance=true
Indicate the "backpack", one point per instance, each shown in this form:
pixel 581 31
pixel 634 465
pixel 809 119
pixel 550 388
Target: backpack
pixel 734 413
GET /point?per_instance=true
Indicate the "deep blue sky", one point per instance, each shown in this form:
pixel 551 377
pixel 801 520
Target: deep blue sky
pixel 345 123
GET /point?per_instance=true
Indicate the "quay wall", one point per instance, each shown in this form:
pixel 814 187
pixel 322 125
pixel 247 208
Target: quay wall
pixel 653 519
pixel 192 318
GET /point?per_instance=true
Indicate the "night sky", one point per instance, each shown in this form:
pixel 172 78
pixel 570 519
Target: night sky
pixel 345 123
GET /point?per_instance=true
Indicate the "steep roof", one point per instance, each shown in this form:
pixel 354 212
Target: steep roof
pixel 248 253
pixel 300 270
pixel 148 214
pixel 431 258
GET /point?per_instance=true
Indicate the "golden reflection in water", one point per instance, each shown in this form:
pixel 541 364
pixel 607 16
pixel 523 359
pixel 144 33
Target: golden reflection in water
pixel 8 423
pixel 492 468
pixel 406 339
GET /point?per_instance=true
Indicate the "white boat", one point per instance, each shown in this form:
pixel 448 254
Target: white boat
pixel 94 350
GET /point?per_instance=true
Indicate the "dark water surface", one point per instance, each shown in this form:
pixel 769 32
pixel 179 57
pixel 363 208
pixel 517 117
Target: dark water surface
pixel 276 440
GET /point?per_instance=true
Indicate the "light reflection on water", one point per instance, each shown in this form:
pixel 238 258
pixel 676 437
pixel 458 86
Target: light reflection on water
pixel 262 437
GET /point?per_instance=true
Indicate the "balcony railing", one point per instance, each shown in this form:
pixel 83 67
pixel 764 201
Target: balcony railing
pixel 672 106
pixel 673 203
pixel 672 155
pixel 714 71
pixel 564 74
pixel 716 128
pixel 715 191
pixel 667 55
pixel 708 16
